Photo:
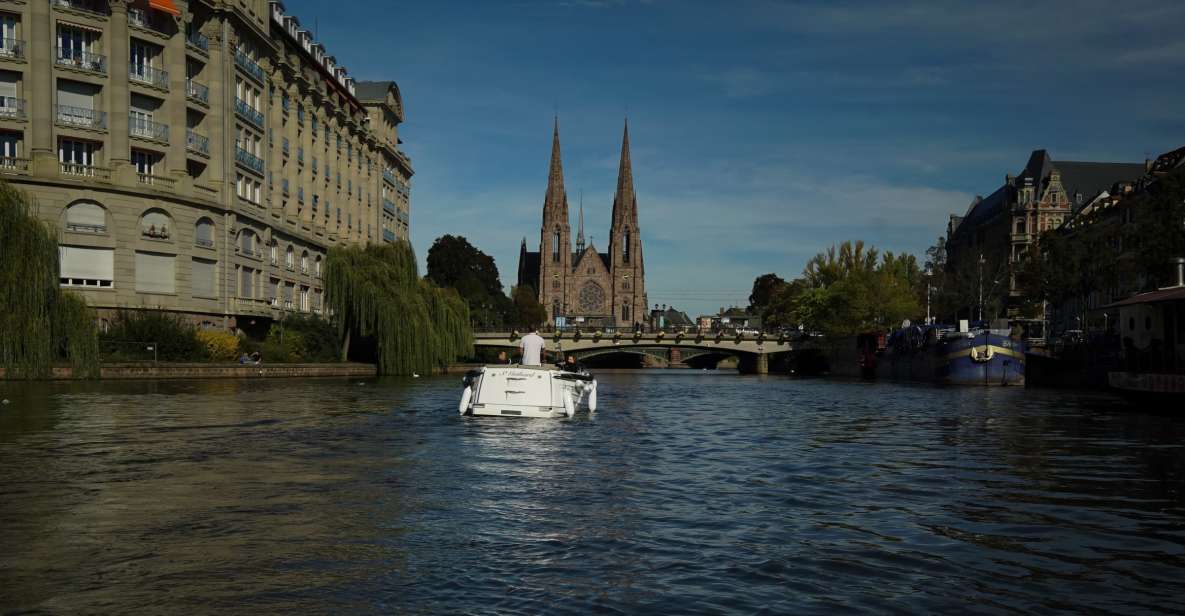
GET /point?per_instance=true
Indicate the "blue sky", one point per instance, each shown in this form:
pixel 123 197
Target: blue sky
pixel 761 131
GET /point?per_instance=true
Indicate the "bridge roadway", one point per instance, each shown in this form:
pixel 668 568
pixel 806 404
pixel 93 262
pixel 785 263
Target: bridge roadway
pixel 752 350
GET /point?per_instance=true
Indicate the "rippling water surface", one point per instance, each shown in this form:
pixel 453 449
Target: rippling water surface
pixel 689 492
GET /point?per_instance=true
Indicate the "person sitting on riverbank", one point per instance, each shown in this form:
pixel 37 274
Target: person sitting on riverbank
pixel 531 347
pixel 245 359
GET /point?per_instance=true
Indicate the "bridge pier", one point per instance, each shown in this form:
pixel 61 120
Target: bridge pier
pixel 753 363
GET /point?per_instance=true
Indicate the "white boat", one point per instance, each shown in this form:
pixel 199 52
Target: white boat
pixel 527 391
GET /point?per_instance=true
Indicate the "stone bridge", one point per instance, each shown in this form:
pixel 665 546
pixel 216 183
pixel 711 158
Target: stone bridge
pixel 754 351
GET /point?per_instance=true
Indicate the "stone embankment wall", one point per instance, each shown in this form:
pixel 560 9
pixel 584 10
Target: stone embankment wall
pixel 220 371
pixel 841 356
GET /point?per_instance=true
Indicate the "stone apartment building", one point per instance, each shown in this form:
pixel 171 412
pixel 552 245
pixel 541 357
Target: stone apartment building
pixel 198 157
pixel 999 229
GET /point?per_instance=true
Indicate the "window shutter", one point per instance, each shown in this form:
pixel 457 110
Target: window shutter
pixel 88 263
pixel 155 273
pixel 203 278
pixel 86 214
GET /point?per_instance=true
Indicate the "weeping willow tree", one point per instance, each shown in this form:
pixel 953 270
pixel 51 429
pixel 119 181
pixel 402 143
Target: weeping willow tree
pixel 39 322
pixel 376 292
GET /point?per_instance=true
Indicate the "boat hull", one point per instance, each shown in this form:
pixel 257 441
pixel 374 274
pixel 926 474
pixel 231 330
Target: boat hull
pixel 984 358
pixel 527 391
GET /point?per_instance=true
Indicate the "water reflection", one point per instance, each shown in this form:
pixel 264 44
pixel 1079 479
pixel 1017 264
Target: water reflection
pixel 688 492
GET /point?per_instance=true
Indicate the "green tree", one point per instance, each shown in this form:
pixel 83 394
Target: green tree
pixel 39 322
pixel 765 287
pixel 454 262
pixel 528 312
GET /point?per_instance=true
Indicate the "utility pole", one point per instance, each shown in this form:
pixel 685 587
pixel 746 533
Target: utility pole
pixel 928 274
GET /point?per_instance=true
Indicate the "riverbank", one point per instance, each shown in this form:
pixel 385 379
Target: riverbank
pixel 216 371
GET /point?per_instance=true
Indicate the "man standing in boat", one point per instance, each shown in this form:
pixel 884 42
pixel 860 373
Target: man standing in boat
pixel 531 347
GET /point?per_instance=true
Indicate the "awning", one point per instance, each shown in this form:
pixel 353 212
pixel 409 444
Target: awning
pixel 164 5
pixel 1164 295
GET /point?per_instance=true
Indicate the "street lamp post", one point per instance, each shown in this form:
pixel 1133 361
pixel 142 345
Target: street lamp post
pixel 928 275
pixel 981 261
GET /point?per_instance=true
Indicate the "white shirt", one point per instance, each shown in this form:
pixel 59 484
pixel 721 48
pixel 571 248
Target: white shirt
pixel 532 348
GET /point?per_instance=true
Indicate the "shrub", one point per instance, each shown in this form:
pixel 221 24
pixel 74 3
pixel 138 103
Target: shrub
pixel 133 331
pixel 220 345
pixel 305 338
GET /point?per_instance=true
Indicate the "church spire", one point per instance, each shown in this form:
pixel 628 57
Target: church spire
pixel 624 201
pixel 555 203
pixel 580 227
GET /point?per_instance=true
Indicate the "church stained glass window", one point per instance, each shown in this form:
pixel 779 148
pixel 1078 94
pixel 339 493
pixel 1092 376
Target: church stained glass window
pixel 592 297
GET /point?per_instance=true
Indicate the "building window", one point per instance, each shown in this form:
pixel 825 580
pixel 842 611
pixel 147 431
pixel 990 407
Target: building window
pixel 555 247
pixel 304 262
pixel 77 157
pixel 289 258
pixel 274 250
pixel 86 217
pixel 203 233
pixel 203 278
pixel 155 273
pixel 144 162
pixel 625 247
pixel 86 267
pixel 10 148
pixel 155 224
pixel 317 266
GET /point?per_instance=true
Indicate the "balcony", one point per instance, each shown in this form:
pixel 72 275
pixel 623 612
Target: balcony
pixel 199 144
pixel 248 160
pixel 81 117
pixel 388 235
pixel 144 128
pixel 198 41
pixel 388 207
pixel 82 60
pixel 390 177
pixel 12 164
pixel 12 49
pixel 12 108
pixel 195 91
pixel 147 75
pixel 158 181
pixel 204 243
pixel 85 171
pixel 81 227
pixel 98 7
pixel 248 113
pixel 249 66
pixel 145 19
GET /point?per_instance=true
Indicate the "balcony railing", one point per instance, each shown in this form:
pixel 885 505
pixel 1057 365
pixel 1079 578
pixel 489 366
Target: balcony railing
pixel 98 7
pixel 12 48
pixel 204 243
pixel 390 177
pixel 147 129
pixel 248 159
pixel 82 60
pixel 12 108
pixel 198 40
pixel 81 117
pixel 142 73
pixel 388 207
pixel 248 113
pixel 156 180
pixel 82 227
pixel 90 171
pixel 197 92
pixel 251 67
pixel 12 164
pixel 388 235
pixel 195 142
pixel 144 19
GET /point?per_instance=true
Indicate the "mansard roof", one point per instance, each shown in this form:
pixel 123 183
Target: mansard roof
pixel 377 92
pixel 1087 179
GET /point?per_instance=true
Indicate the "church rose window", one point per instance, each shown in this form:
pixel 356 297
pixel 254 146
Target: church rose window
pixel 592 297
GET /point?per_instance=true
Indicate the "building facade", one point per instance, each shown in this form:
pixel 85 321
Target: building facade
pixel 579 285
pixel 997 231
pixel 199 157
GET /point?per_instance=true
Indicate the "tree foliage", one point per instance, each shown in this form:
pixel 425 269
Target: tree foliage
pixel 764 289
pixel 845 290
pixel 39 322
pixel 376 292
pixel 528 312
pixel 454 262
pixel 1159 230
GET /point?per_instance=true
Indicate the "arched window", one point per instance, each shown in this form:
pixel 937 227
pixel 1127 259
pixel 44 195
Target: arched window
pixel 274 252
pixel 625 247
pixel 555 246
pixel 289 258
pixel 1020 225
pixel 304 262
pixel 86 217
pixel 317 266
pixel 155 224
pixel 203 233
pixel 247 242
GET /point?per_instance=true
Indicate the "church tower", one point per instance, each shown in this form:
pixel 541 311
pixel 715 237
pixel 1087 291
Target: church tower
pixel 555 252
pixel 625 246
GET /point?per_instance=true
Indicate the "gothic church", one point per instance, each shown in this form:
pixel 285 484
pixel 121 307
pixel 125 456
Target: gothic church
pixel 583 287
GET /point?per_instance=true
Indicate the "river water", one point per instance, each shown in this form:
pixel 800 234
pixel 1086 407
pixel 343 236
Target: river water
pixel 688 492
